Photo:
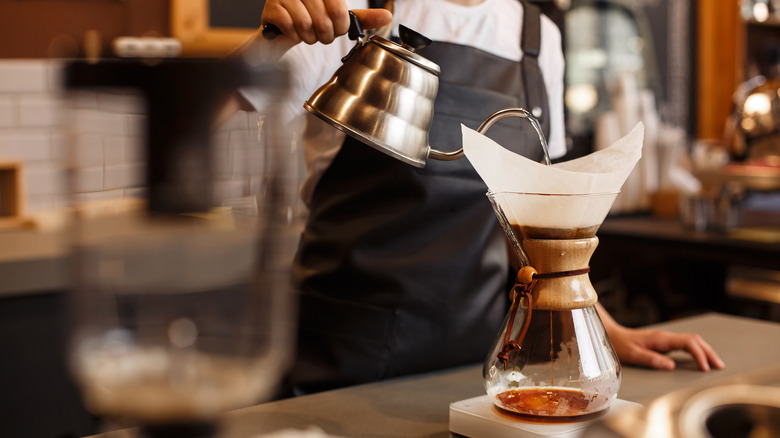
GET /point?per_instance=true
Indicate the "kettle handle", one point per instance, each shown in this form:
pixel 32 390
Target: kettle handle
pixel 493 118
pixel 271 31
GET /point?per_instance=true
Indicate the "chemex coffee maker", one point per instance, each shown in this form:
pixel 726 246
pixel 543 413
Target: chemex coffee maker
pixel 553 357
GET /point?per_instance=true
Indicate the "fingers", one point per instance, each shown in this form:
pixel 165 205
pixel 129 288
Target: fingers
pixel 702 352
pixel 692 344
pixel 339 17
pixel 713 356
pixel 294 18
pixel 704 355
pixel 373 18
pixel 646 347
pixel 631 349
pixel 651 359
pixel 313 21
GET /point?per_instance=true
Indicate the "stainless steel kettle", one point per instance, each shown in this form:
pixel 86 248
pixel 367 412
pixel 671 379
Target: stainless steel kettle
pixel 383 95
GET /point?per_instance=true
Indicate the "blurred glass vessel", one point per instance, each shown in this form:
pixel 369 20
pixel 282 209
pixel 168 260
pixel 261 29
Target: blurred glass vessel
pixel 553 357
pixel 181 293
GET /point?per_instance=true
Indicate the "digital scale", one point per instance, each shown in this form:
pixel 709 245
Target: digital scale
pixel 478 418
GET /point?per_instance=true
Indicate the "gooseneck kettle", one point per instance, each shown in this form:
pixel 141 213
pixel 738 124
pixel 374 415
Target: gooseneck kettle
pixel 383 95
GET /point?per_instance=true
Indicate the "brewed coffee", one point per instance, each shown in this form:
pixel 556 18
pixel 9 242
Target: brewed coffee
pixel 554 233
pixel 557 402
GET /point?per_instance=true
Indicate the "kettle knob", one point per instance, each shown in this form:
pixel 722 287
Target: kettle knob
pixel 412 40
pixel 355 29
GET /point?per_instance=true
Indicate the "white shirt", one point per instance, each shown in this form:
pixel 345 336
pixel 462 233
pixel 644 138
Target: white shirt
pixel 493 26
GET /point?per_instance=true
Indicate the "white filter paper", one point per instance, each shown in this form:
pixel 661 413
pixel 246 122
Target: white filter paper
pixel 603 171
pixel 507 173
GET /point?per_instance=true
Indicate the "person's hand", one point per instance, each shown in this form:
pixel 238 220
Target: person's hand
pixel 646 347
pixel 313 21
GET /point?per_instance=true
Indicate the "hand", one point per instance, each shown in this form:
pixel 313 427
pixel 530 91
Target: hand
pixel 313 21
pixel 645 347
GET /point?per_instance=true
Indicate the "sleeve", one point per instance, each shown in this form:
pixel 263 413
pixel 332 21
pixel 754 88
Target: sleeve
pixel 552 64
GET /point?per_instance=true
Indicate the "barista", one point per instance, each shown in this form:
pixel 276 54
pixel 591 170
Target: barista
pixel 403 270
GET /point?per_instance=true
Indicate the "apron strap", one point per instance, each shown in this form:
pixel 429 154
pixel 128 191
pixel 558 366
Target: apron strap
pixel 531 37
pixel 531 40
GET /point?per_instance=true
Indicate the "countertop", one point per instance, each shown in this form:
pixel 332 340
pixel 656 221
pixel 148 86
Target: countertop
pixel 32 260
pixel 418 406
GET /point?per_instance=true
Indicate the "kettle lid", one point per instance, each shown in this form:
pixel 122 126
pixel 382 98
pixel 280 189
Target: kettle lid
pixel 405 54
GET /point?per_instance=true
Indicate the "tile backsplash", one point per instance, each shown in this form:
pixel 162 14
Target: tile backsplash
pixel 30 129
pixel 106 159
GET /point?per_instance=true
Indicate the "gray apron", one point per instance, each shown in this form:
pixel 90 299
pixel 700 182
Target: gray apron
pixel 403 270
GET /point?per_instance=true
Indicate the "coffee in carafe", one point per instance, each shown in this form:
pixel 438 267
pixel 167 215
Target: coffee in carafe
pixel 553 357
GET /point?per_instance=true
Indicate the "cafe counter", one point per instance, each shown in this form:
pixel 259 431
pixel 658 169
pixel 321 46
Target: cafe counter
pixel 418 406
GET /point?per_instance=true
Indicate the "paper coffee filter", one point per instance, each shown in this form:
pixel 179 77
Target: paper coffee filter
pixel 559 211
pixel 603 171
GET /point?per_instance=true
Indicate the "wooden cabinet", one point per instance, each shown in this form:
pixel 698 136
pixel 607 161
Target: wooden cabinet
pixel 721 37
pixel 729 50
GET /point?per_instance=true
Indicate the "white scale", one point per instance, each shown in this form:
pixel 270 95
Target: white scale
pixel 478 418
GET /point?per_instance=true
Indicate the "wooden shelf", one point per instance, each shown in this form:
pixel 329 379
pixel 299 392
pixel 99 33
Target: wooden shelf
pixel 769 22
pixel 11 193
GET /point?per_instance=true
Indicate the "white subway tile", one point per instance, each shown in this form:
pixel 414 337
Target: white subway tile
pixel 121 103
pixel 136 175
pixel 123 176
pixel 114 148
pixel 97 122
pixel 136 125
pixel 88 179
pixel 76 100
pixel 45 179
pixel 103 195
pixel 88 151
pixel 40 111
pixel 135 150
pixel 21 76
pixel 26 144
pixel 60 144
pixel 9 112
pixel 113 177
pixel 135 192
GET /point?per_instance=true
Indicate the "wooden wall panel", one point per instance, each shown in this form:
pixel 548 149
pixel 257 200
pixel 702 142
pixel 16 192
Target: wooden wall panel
pixel 721 42
pixel 28 27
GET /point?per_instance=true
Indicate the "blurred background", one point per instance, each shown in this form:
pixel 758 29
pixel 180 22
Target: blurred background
pixel 696 228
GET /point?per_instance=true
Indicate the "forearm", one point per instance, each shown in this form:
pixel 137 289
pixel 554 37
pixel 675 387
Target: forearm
pixel 609 322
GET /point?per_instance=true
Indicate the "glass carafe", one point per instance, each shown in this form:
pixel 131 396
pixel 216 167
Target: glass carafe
pixel 553 357
pixel 182 305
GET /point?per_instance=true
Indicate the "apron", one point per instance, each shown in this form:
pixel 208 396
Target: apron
pixel 403 270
